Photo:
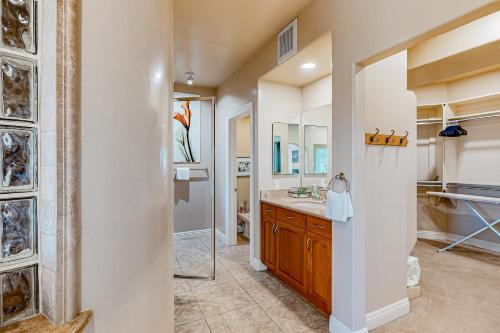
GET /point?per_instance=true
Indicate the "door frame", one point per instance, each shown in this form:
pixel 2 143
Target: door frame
pixel 231 197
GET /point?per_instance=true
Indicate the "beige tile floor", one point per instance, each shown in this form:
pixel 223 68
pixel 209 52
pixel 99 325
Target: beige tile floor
pixel 240 299
pixel 460 293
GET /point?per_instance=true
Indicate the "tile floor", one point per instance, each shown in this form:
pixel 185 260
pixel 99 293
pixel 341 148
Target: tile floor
pixel 240 299
pixel 460 293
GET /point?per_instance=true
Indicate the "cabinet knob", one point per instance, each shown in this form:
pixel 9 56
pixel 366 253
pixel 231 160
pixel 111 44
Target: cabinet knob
pixel 319 226
pixel 308 242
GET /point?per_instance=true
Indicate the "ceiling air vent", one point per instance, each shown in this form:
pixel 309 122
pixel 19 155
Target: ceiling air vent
pixel 287 42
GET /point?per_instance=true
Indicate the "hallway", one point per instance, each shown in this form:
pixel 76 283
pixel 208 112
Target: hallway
pixel 240 299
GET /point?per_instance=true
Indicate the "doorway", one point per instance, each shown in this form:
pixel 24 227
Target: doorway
pixel 194 186
pixel 240 199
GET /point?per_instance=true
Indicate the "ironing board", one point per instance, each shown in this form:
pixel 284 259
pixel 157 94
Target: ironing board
pixel 468 199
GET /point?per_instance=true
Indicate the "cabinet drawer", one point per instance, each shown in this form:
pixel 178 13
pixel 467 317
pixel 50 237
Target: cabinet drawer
pixel 268 210
pixel 319 226
pixel 291 217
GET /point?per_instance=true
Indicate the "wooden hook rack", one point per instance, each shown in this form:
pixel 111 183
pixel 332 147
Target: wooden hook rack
pixel 393 140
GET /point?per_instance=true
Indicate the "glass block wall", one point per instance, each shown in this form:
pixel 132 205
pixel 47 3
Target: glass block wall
pixel 19 159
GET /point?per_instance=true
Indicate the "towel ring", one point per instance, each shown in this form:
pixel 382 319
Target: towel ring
pixel 339 178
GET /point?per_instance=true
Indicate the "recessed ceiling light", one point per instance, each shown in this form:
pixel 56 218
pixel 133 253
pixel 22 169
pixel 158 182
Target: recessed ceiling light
pixel 190 78
pixel 308 65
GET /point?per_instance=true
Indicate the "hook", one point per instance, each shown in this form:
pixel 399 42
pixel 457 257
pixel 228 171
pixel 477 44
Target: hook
pixel 373 138
pixel 388 139
pixel 404 138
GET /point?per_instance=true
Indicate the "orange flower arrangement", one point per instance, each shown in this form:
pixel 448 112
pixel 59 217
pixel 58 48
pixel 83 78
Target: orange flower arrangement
pixel 183 140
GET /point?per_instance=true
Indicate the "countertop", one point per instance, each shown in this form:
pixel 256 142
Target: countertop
pixel 41 324
pixel 306 206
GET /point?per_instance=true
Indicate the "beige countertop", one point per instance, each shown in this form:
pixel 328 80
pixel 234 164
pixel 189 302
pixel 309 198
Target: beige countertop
pixel 306 206
pixel 41 324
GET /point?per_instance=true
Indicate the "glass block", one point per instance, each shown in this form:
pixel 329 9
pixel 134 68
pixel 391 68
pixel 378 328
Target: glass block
pixel 18 159
pixel 18 89
pixel 18 25
pixel 19 294
pixel 18 225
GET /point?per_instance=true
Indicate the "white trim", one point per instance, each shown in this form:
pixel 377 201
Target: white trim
pixel 336 326
pixel 443 236
pixel 388 313
pixel 257 264
pixel 221 236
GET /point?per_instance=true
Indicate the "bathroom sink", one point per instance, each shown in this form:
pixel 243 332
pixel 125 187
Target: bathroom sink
pixel 310 204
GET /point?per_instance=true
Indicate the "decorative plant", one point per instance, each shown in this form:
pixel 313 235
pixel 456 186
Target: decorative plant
pixel 182 137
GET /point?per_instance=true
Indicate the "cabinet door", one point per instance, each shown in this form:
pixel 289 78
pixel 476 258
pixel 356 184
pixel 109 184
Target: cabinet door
pixel 291 256
pixel 319 271
pixel 269 243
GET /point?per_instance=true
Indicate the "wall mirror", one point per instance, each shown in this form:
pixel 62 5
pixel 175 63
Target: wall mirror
pixel 315 150
pixel 286 149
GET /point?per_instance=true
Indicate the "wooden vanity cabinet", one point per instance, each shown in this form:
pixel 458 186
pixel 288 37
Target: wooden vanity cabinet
pixel 297 248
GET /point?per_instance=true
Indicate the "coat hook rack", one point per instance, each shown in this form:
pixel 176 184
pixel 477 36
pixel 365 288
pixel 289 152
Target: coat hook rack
pixel 392 140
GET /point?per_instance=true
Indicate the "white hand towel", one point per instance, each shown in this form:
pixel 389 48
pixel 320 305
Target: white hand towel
pixel 182 173
pixel 339 206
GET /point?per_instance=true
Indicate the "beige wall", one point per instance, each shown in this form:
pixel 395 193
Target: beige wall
pixel 364 31
pixel 278 103
pixel 388 105
pixel 243 150
pixel 243 137
pixel 317 110
pixel 126 178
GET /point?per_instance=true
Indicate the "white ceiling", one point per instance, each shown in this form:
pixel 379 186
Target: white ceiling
pixel 290 72
pixel 214 38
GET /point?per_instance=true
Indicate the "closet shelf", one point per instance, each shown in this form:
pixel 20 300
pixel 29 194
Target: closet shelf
pixel 462 103
pixel 475 116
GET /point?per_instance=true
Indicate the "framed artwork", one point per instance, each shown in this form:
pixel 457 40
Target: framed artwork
pixel 187 129
pixel 242 166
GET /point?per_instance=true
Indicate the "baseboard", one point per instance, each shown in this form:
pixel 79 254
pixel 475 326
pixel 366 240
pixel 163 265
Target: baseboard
pixel 387 314
pixel 192 232
pixel 336 326
pixel 221 236
pixel 257 264
pixel 443 236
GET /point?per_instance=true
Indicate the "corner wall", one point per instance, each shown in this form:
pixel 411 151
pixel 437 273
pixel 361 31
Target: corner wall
pixel 126 174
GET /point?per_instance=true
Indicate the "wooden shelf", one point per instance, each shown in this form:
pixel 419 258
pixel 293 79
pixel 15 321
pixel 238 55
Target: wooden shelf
pixel 462 103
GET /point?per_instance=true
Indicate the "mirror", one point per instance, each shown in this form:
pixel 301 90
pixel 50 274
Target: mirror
pixel 286 149
pixel 315 150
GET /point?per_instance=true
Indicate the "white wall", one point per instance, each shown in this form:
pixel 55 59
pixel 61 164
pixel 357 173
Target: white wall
pixel 126 184
pixel 317 93
pixel 388 105
pixel 277 103
pixel 317 110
